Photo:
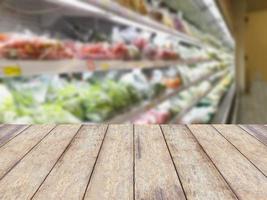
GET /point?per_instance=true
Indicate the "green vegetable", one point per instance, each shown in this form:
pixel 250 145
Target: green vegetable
pixel 50 113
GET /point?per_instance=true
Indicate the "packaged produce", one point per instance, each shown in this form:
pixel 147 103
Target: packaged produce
pixel 95 51
pixel 135 5
pixel 7 105
pixel 29 47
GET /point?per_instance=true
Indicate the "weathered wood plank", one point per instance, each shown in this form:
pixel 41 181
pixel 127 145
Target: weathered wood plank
pixel 155 175
pixel 69 178
pixel 199 177
pixel 259 132
pixel 23 180
pixel 8 132
pixel 254 150
pixel 243 177
pixel 13 152
pixel 113 174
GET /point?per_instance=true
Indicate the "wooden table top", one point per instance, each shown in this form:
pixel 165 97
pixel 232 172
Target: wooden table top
pixel 99 162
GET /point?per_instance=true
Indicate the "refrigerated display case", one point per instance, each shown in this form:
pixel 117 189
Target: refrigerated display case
pixel 106 61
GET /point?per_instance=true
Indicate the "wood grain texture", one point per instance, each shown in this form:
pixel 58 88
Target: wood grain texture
pixel 113 174
pixel 26 177
pixel 12 152
pixel 258 131
pixel 155 175
pixel 246 180
pixel 8 132
pixel 69 178
pixel 199 177
pixel 250 147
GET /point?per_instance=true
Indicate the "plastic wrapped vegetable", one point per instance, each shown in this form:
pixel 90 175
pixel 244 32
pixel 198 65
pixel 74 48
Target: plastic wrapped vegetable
pixel 70 99
pixel 97 104
pixel 52 113
pixel 7 106
pixel 118 94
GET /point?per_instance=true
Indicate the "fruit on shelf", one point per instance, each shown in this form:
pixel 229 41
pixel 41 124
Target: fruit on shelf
pixel 140 43
pixel 31 47
pixel 3 37
pixel 150 51
pixel 95 51
pixel 135 5
pixel 119 51
pixel 172 83
pixel 167 54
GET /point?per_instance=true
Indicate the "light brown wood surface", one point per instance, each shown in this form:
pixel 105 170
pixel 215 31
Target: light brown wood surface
pixel 250 147
pixel 243 177
pixel 8 131
pixel 118 162
pixel 155 175
pixel 80 157
pixel 258 131
pixel 12 152
pixel 113 174
pixel 27 176
pixel 198 174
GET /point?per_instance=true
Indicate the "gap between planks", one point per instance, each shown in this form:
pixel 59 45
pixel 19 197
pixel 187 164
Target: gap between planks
pixel 245 144
pixel 135 152
pixel 246 180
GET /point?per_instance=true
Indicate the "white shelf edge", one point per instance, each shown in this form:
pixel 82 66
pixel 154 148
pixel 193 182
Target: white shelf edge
pixel 9 68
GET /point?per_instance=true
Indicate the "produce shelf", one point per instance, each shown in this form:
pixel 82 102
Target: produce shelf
pixel 112 11
pixel 11 68
pixel 223 113
pixel 194 103
pixel 127 116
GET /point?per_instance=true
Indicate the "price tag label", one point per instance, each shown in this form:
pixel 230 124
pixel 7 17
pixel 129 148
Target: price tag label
pixel 91 65
pixel 104 66
pixel 12 70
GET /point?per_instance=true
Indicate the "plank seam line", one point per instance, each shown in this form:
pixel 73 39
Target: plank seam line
pixel 93 169
pixel 10 139
pixel 202 148
pixel 177 173
pixel 238 150
pixel 13 129
pixel 27 153
pixel 133 162
pixel 253 130
pixel 61 156
pixel 2 126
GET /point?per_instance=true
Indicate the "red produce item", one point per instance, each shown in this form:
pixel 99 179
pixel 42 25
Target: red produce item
pixel 168 55
pixel 140 43
pixel 160 116
pixel 172 83
pixel 150 52
pixel 34 49
pixel 119 51
pixel 95 51
pixel 3 37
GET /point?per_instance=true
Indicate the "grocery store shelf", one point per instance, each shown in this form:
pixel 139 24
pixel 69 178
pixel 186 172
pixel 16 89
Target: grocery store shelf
pixel 180 115
pixel 112 11
pixel 223 113
pixel 28 68
pixel 128 116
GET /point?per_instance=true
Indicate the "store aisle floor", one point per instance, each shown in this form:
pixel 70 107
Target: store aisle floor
pixel 253 106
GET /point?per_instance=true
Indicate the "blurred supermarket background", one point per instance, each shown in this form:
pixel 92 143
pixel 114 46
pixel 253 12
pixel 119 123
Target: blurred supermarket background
pixel 133 61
